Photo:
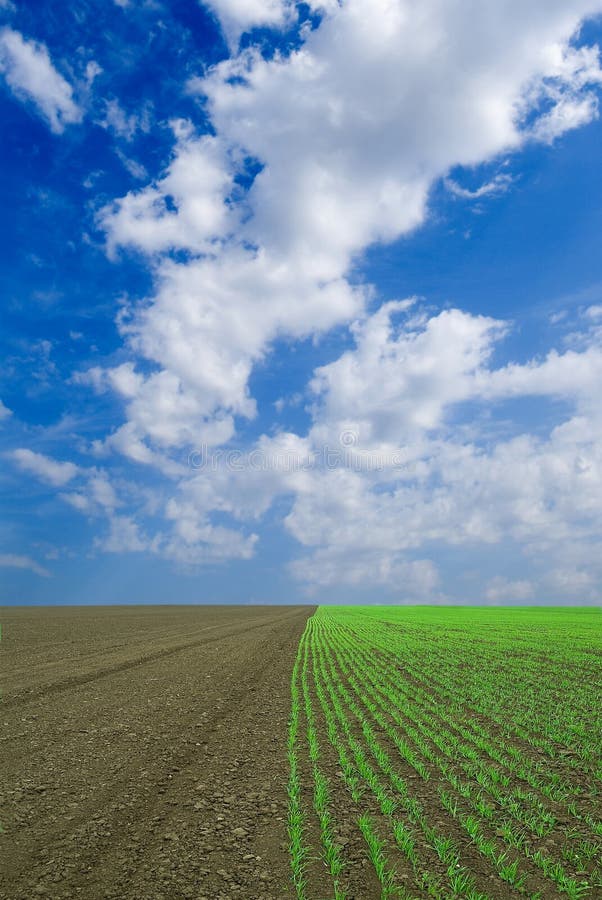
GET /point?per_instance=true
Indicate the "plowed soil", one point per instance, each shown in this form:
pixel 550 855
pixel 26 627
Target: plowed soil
pixel 143 752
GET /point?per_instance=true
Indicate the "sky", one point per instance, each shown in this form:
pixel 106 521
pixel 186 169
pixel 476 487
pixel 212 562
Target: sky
pixel 301 302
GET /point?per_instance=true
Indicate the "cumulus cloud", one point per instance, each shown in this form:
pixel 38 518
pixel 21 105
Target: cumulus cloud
pixel 195 540
pixel 43 467
pixel 415 581
pixel 340 142
pixel 30 74
pixel 252 233
pixel 571 374
pixel 447 487
pixel 387 470
pixel 188 536
pixel 191 541
pixel 15 561
pixel 503 590
pixel 5 412
pixel 565 115
pixel 186 209
pixel 391 385
pixel 124 536
pixel 96 495
pixel 238 16
pixel 594 312
pixel 205 345
pixel 574 582
pixel 566 93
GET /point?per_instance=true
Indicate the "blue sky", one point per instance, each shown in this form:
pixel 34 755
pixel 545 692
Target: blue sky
pixel 301 302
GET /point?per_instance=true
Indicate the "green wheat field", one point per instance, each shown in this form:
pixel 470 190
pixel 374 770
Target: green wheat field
pixel 446 752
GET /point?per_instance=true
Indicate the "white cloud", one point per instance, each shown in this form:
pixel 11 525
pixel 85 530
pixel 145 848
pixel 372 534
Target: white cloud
pixel 136 169
pixel 350 132
pixel 123 537
pixel 125 125
pixel 572 71
pixel 437 475
pixel 30 74
pixel 14 561
pixel 450 488
pixel 102 492
pixel 433 482
pixel 498 185
pixel 192 541
pixel 575 582
pixel 391 386
pixel 195 540
pixel 573 375
pixel 503 590
pixel 205 345
pixel 186 209
pixel 78 501
pixel 93 70
pixel 238 16
pixel 345 137
pixel 5 412
pixel 536 493
pixel 96 495
pixel 565 115
pixel 45 468
pixel 413 581
pixel 350 154
pixel 188 538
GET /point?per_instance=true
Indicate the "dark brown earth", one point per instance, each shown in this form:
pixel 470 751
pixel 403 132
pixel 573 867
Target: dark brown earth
pixel 143 752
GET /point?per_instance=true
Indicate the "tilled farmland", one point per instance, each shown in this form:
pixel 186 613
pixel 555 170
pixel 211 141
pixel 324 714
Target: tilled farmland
pixel 143 752
pixel 352 753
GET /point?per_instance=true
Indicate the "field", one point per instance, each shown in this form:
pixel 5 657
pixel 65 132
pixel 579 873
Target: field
pixel 143 752
pixel 274 753
pixel 446 752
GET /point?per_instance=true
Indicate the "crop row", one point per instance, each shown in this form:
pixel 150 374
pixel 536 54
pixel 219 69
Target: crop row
pixel 451 794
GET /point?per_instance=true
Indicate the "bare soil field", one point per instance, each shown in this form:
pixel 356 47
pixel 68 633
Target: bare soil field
pixel 143 752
